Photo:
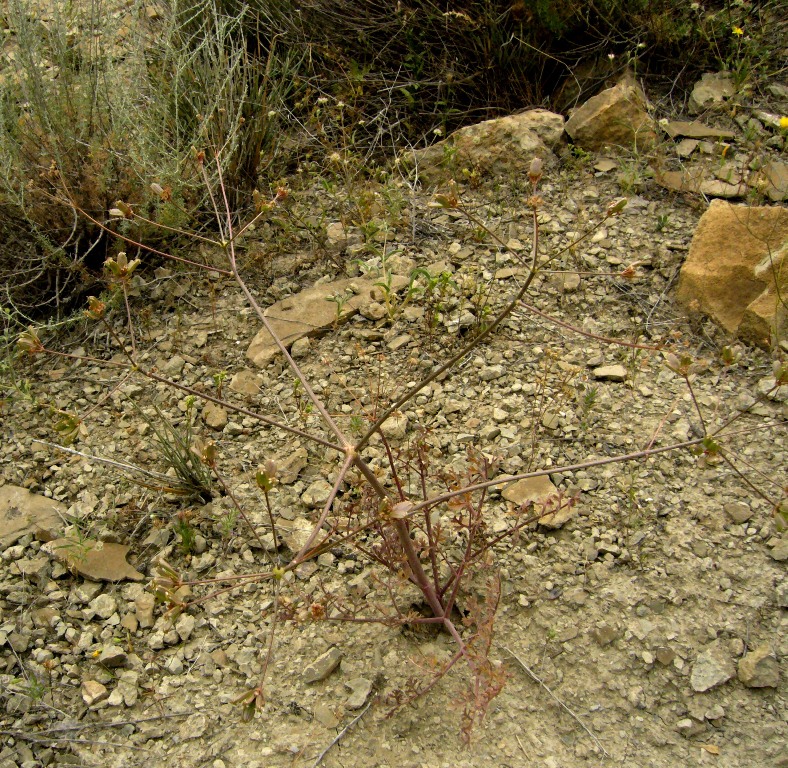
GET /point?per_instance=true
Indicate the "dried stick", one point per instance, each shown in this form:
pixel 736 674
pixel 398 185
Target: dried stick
pixel 556 699
pixel 341 735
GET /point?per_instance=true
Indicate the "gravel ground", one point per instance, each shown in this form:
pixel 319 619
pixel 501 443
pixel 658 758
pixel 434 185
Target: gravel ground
pixel 647 630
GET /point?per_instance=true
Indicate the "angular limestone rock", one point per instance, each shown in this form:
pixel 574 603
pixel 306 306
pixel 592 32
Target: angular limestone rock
pixel 543 494
pixel 712 90
pixel 772 180
pixel 295 533
pixel 505 145
pixel 713 667
pixel 360 688
pixel 313 311
pixel 617 117
pixel 316 494
pixel 95 560
pixel 695 130
pixel 215 416
pixel 291 466
pixel 23 512
pixel 686 180
pixel 323 666
pixel 610 373
pixel 735 270
pixel 93 692
pixel 760 669
pixel 246 382
pixel 395 427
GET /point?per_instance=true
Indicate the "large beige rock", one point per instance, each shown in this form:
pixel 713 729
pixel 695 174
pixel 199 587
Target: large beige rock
pixel 736 268
pixel 617 117
pixel 502 146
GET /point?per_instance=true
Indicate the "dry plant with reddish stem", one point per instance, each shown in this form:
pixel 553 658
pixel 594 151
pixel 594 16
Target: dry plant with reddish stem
pixel 423 524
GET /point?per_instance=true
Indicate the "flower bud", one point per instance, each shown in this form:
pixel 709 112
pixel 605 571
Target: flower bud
pixel 124 209
pixel 535 171
pixel 96 308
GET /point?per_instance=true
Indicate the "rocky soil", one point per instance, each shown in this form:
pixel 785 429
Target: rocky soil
pixel 654 618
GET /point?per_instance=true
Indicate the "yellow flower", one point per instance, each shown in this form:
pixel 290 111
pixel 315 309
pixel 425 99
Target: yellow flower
pixel 738 31
pixel 784 123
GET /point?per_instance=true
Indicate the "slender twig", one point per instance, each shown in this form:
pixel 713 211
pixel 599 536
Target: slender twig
pixel 768 479
pixel 341 735
pixel 149 374
pixel 605 339
pixel 238 409
pixel 175 230
pixel 269 653
pixel 541 473
pixel 746 480
pixel 695 403
pixel 55 740
pixel 300 555
pixel 112 724
pixel 556 699
pixel 122 465
pixel 454 359
pixel 635 456
pixel 229 491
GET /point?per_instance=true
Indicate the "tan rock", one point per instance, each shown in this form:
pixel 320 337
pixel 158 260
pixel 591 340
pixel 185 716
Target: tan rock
pixel 291 465
pixel 772 180
pixel 735 270
pixel 93 692
pixel 712 667
pixel 610 373
pixel 95 560
pixel 695 130
pixel 312 311
pixel 616 117
pixel 717 188
pixel 544 495
pixel 215 416
pixel 760 669
pixel 144 606
pixel 395 427
pixel 246 382
pixel 324 715
pixel 698 179
pixel 23 512
pixel 501 146
pixel 712 90
pixel 322 666
pixel 295 533
pixel 685 180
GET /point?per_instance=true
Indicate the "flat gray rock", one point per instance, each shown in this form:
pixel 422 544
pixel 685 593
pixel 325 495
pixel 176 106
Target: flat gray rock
pixel 713 667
